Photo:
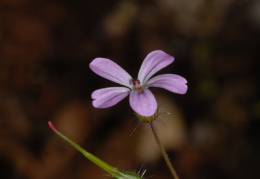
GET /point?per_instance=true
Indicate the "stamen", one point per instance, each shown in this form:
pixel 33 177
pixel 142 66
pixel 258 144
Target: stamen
pixel 137 85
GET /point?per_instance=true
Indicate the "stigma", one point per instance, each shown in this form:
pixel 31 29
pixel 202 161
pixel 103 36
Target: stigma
pixel 137 85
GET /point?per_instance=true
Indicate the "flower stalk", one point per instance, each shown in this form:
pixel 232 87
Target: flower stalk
pixel 162 150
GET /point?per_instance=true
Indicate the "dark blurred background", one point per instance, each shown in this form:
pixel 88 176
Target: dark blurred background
pixel 211 132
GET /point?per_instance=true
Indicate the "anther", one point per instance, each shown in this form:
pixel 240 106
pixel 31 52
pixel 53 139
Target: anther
pixel 136 83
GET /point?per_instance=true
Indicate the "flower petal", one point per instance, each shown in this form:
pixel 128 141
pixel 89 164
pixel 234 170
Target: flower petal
pixel 171 82
pixel 152 63
pixel 143 103
pixel 111 71
pixel 107 97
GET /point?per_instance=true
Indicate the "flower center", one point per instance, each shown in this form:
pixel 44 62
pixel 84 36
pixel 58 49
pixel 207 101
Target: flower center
pixel 137 85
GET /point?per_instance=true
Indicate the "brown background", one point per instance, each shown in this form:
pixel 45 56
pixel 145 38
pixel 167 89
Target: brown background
pixel 211 132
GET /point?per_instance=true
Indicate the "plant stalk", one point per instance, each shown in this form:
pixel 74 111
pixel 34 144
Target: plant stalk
pixel 162 150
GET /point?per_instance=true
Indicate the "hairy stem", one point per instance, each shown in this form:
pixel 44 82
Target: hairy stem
pixel 163 152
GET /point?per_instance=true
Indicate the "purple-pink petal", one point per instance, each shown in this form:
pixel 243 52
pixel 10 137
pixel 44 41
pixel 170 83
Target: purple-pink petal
pixel 143 103
pixel 111 71
pixel 171 82
pixel 107 97
pixel 153 62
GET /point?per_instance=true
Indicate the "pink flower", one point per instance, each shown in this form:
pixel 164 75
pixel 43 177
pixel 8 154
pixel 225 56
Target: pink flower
pixel 141 98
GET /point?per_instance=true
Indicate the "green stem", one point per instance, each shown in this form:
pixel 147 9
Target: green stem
pixel 114 172
pixel 88 155
pixel 163 152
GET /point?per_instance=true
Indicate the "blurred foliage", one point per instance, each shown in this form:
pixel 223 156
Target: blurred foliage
pixel 46 46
